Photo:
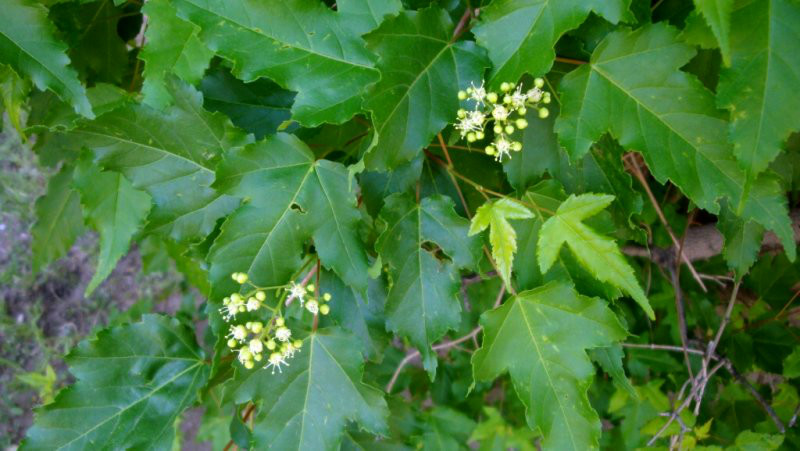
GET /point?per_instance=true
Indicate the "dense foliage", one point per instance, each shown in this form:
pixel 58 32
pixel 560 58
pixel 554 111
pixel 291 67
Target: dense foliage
pixel 506 224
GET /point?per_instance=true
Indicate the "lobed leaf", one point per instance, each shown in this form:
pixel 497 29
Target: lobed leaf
pixel 132 383
pixel 59 220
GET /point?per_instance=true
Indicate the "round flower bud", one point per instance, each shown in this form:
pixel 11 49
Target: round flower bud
pixel 498 129
pixel 546 98
pixel 241 278
pixel 538 82
pixel 326 297
pixel 544 112
pixel 324 309
pixel 235 276
pixel 522 110
pixel 298 344
pixel 258 357
pixel 279 321
pixel 521 123
pixel 242 309
pixel 489 150
pixel 479 135
pixel 310 288
pixel 261 296
pixel 471 137
pixel 256 327
pixel 516 146
pixel 469 90
pixel 236 298
pixel 505 86
pixel 509 129
pixel 462 95
pixel 226 301
pixel 491 97
pixel 271 345
pixel 249 364
pixel 461 113
pixel 506 98
pixel 231 343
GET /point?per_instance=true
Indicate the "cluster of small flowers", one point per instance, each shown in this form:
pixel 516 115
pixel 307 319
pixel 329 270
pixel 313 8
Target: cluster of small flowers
pixel 488 107
pixel 253 339
pixel 305 295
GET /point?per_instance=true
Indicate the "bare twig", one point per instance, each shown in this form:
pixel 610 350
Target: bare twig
pixel 657 347
pixel 712 345
pixel 793 420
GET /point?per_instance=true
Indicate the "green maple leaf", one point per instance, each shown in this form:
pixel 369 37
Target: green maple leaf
pixel 533 337
pixel 495 215
pixel 172 46
pixel 59 220
pixel 417 95
pixel 308 404
pixel 171 154
pixel 717 14
pixel 301 44
pixel 597 253
pixel 307 199
pixel 422 303
pixel 114 208
pixel 28 45
pixel 668 116
pixel 742 241
pixel 757 86
pixel 132 383
pixel 520 34
pixel 366 15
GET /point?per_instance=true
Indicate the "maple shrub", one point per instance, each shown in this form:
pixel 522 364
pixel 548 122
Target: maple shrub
pixel 455 224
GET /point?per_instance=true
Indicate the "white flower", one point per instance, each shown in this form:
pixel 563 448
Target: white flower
pixel 297 292
pixel 238 333
pixel 503 147
pixel 256 346
pixel 244 355
pixel 519 98
pixel 253 304
pixel 275 361
pixel 283 334
pixel 289 349
pixel 232 305
pixel 312 306
pixel 471 122
pixel 500 113
pixel 478 94
pixel 535 94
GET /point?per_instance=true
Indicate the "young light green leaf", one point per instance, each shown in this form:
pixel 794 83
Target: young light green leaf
pixel 717 14
pixel 756 86
pixel 597 253
pixel 59 220
pixel 309 403
pixel 302 45
pixel 495 216
pixel 756 441
pixel 417 95
pixel 171 47
pixel 520 35
pixel 171 154
pixel 307 199
pixel 13 93
pixel 422 303
pixel 114 208
pixel 29 46
pixel 132 383
pixel 668 116
pixel 533 337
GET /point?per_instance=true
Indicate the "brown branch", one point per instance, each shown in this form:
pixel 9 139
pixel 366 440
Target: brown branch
pixel 246 415
pixel 705 242
pixel 764 405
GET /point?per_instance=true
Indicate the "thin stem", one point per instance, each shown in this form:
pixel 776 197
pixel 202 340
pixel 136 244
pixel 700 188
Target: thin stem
pixel 657 347
pixel 450 171
pixel 562 59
